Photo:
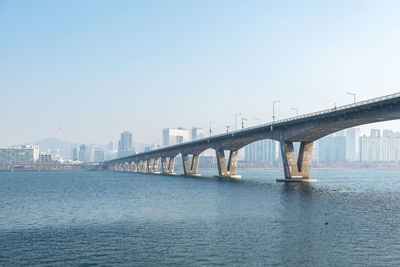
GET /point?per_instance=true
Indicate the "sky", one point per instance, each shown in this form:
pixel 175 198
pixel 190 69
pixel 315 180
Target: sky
pixel 92 69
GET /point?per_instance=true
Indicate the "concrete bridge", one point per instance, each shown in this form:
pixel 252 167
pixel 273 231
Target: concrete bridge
pixel 304 129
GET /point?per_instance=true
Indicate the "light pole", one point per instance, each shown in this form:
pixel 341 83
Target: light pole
pixel 297 111
pixel 243 119
pixel 273 109
pixel 354 95
pixel 259 120
pixel 210 123
pixel 227 128
pixel 236 114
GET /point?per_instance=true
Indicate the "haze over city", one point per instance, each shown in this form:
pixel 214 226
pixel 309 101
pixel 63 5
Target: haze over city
pixel 199 133
pixel 96 68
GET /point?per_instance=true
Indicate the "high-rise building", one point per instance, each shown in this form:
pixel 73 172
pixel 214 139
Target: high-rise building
pixel 90 152
pixel 197 133
pixel 112 150
pixel 21 154
pixel 353 144
pixel 125 147
pixel 75 153
pixel 332 149
pixel 82 153
pixel 375 133
pixel 387 133
pixel 151 147
pixel 98 154
pixel 261 151
pixel 379 148
pixel 173 136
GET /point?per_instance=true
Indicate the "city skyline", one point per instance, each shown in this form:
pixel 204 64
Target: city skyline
pixel 66 68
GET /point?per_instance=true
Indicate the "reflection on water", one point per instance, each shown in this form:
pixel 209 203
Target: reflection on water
pixel 346 218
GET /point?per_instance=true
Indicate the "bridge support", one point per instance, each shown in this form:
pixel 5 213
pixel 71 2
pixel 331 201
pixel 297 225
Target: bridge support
pixel 168 166
pixel 296 170
pixel 190 169
pixel 133 166
pixel 152 166
pixel 227 169
pixel 142 166
pixel 125 167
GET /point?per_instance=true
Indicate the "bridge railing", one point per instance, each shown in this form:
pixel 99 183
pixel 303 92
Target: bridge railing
pixel 325 111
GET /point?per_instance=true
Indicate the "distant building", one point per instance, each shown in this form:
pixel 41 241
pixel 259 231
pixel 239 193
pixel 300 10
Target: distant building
pixel 151 147
pixel 173 136
pixel 75 153
pixel 21 154
pixel 125 147
pixel 197 133
pixel 90 152
pixel 379 149
pixel 332 149
pixel 112 150
pixel 98 155
pixel 82 153
pixel 353 144
pixel 45 158
pixel 261 151
pixel 375 133
pixel 387 133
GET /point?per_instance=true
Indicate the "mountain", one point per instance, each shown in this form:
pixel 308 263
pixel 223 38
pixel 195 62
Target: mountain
pixel 53 144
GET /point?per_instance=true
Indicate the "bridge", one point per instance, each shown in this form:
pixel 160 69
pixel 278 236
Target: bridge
pixel 304 129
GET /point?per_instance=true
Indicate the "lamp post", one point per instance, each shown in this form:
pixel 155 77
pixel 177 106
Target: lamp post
pixel 273 109
pixel 236 115
pixel 354 96
pixel 259 120
pixel 210 123
pixel 243 119
pixel 227 128
pixel 297 111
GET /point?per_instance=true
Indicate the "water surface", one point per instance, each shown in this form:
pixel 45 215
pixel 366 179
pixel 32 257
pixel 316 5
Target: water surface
pixel 106 218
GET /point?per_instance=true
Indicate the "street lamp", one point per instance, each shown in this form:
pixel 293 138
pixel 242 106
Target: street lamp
pixel 354 95
pixel 297 111
pixel 227 128
pixel 243 119
pixel 273 109
pixel 210 123
pixel 236 114
pixel 259 120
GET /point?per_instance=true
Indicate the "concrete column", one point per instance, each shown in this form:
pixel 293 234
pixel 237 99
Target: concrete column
pixel 133 166
pixel 142 166
pixel 227 169
pixel 152 166
pixel 190 168
pixel 126 167
pixel 300 168
pixel 168 166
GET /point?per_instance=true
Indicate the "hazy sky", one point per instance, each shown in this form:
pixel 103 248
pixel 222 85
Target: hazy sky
pixel 96 68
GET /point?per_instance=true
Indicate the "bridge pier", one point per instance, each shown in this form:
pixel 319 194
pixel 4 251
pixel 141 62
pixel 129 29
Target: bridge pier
pixel 227 169
pixel 126 167
pixel 152 166
pixel 142 166
pixel 133 166
pixel 296 170
pixel 168 166
pixel 190 169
